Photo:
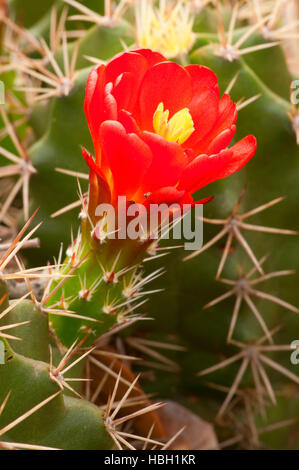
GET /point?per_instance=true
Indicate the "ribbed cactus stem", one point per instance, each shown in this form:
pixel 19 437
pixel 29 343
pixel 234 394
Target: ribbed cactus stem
pixel 99 275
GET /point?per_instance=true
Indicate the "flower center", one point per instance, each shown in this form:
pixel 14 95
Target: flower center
pixel 177 129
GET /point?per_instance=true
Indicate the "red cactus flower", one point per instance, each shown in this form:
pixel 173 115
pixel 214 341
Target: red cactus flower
pixel 160 131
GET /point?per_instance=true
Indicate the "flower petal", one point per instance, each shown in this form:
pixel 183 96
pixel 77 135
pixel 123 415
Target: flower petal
pixel 127 155
pixel 152 57
pixel 102 189
pixel 221 141
pixel 202 76
pixel 205 169
pixel 126 71
pixel 205 200
pixel 205 102
pixel 227 113
pixel 204 111
pixel 166 195
pixel 168 162
pixel 131 62
pixel 124 91
pixel 170 195
pixel 99 103
pixel 166 82
pixel 227 116
pixel 129 123
pixel 188 199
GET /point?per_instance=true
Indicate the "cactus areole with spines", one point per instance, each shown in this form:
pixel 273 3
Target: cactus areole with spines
pixel 160 133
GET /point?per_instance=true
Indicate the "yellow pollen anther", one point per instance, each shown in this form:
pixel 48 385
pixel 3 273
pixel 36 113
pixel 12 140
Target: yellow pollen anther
pixel 177 129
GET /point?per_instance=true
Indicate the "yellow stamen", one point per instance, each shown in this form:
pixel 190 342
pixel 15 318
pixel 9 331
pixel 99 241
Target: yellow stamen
pixel 177 129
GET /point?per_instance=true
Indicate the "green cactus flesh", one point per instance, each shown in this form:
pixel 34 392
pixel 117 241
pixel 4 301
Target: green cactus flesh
pixel 64 420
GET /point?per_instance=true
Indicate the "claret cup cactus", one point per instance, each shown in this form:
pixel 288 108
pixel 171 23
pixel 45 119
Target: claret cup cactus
pixel 154 144
pixel 178 100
